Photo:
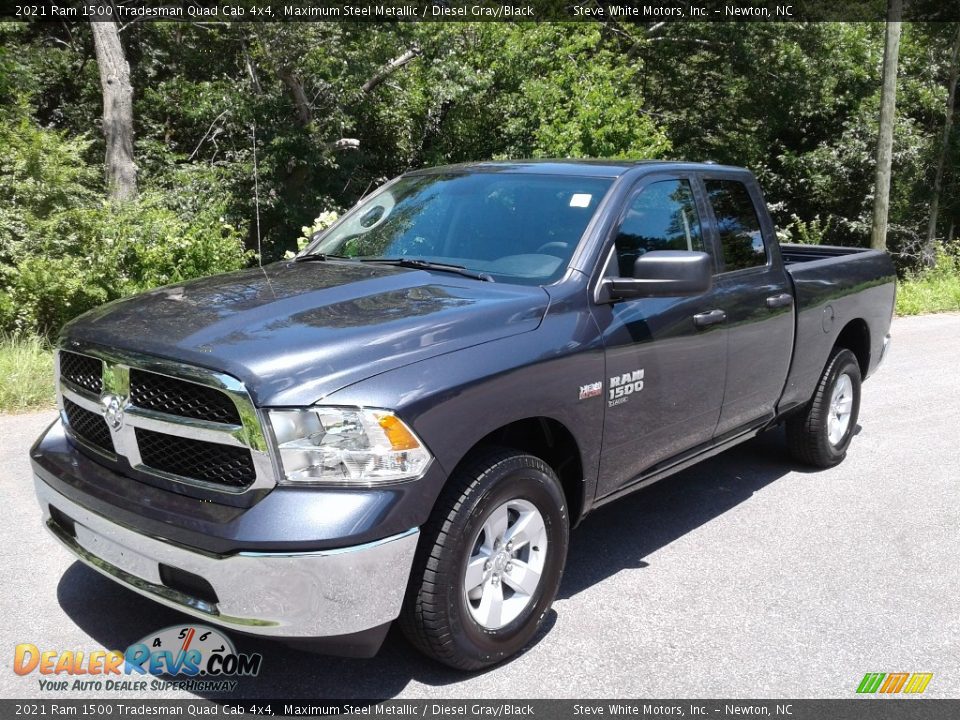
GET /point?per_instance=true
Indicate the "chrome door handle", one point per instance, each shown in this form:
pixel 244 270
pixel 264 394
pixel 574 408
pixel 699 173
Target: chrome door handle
pixel 714 317
pixel 779 301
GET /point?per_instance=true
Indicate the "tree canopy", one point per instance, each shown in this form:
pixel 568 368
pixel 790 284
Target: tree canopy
pixel 330 110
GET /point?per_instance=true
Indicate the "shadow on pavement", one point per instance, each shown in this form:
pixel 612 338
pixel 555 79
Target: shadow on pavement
pixel 613 539
pixel 116 618
pixel 620 535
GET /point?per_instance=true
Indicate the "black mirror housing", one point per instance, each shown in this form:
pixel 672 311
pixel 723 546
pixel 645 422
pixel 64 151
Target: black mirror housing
pixel 664 273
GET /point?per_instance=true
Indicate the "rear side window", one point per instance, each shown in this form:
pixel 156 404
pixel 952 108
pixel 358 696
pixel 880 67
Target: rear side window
pixel 662 217
pixel 740 238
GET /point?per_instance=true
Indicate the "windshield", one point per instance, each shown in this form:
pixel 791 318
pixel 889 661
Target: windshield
pixel 514 227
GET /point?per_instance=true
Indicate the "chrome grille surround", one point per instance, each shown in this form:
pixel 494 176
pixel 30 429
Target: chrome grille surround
pixel 248 434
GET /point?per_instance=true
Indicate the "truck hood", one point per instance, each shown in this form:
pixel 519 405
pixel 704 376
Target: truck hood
pixel 295 332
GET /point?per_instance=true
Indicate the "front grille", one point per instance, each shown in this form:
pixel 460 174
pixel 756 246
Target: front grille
pixel 88 426
pixel 82 370
pixel 162 393
pixel 158 404
pixel 210 462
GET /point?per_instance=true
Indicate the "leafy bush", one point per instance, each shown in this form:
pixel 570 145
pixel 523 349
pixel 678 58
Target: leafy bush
pixel 79 258
pixel 63 250
pixel 42 172
pixel 936 289
pixel 307 233
pixel 804 232
pixel 40 294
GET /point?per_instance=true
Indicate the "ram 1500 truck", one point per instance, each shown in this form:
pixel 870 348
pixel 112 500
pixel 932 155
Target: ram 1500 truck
pixel 404 421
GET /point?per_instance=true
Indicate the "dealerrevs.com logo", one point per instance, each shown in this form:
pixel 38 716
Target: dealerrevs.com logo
pixel 188 657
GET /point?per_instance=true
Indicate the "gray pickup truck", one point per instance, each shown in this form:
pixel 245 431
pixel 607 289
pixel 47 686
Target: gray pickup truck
pixel 404 421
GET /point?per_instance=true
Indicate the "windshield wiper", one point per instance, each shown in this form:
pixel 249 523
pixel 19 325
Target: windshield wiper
pixel 418 264
pixel 319 257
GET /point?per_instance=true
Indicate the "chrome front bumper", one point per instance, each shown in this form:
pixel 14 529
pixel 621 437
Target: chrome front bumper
pixel 290 595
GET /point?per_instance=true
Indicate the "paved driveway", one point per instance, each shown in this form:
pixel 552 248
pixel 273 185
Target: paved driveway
pixel 744 576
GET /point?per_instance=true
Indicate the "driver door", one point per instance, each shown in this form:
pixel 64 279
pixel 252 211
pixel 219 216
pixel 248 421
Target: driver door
pixel 665 363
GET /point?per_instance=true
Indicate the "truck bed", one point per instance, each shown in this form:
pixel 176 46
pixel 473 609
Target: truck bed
pixel 837 290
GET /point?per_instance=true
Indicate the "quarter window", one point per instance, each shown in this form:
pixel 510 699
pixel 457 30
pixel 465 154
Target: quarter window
pixel 662 217
pixel 737 222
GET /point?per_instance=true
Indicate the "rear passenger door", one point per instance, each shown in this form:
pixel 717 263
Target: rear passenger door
pixel 756 295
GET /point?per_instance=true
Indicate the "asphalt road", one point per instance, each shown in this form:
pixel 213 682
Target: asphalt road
pixel 746 576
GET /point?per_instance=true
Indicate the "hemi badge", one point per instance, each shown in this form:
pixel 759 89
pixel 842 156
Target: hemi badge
pixel 591 390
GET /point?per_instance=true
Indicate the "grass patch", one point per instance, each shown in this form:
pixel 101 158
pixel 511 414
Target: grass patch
pixel 931 291
pixel 26 373
pixel 916 296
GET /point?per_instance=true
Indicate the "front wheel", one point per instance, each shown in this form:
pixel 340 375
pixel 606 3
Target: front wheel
pixel 490 561
pixel 821 434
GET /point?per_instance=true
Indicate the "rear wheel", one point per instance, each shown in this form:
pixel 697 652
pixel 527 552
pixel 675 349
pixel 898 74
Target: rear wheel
pixel 489 563
pixel 821 435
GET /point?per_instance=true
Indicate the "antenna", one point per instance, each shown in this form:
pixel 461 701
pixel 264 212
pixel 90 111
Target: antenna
pixel 256 193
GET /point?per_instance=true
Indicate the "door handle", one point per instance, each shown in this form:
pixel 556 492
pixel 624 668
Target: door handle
pixel 779 301
pixel 714 317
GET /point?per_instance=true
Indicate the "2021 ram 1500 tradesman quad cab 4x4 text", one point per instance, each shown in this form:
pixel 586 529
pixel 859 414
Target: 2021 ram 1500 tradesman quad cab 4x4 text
pixel 405 420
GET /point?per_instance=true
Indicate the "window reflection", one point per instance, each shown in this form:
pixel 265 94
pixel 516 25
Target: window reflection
pixel 737 223
pixel 662 217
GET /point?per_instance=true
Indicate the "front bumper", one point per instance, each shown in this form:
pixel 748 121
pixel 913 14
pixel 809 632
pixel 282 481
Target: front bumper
pixel 289 595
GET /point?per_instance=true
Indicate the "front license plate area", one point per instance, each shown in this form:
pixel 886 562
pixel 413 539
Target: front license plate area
pixel 116 554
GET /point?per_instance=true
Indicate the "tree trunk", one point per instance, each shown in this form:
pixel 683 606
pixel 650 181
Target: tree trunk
pixel 121 172
pixel 929 251
pixel 888 106
pixel 297 94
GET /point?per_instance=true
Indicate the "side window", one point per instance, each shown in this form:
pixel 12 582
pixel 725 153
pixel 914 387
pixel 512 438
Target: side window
pixel 662 217
pixel 737 222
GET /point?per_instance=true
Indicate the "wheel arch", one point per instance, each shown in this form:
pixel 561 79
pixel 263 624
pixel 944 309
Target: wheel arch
pixel 855 337
pixel 551 441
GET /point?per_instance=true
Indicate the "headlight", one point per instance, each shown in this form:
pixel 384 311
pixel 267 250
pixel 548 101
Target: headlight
pixel 346 446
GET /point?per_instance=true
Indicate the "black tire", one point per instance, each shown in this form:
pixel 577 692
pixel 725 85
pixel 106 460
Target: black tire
pixel 435 617
pixel 807 433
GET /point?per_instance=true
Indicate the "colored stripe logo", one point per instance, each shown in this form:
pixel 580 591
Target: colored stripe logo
pixel 893 683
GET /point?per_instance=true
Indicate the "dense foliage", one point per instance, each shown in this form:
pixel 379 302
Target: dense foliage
pixel 221 106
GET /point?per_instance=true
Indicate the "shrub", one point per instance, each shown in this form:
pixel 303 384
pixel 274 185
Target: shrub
pixel 79 258
pixel 936 289
pixel 64 250
pixel 308 232
pixel 812 232
pixel 42 172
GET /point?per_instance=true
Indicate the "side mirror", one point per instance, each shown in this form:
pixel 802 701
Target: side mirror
pixel 664 273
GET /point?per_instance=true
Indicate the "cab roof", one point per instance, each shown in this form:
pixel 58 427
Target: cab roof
pixel 582 168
